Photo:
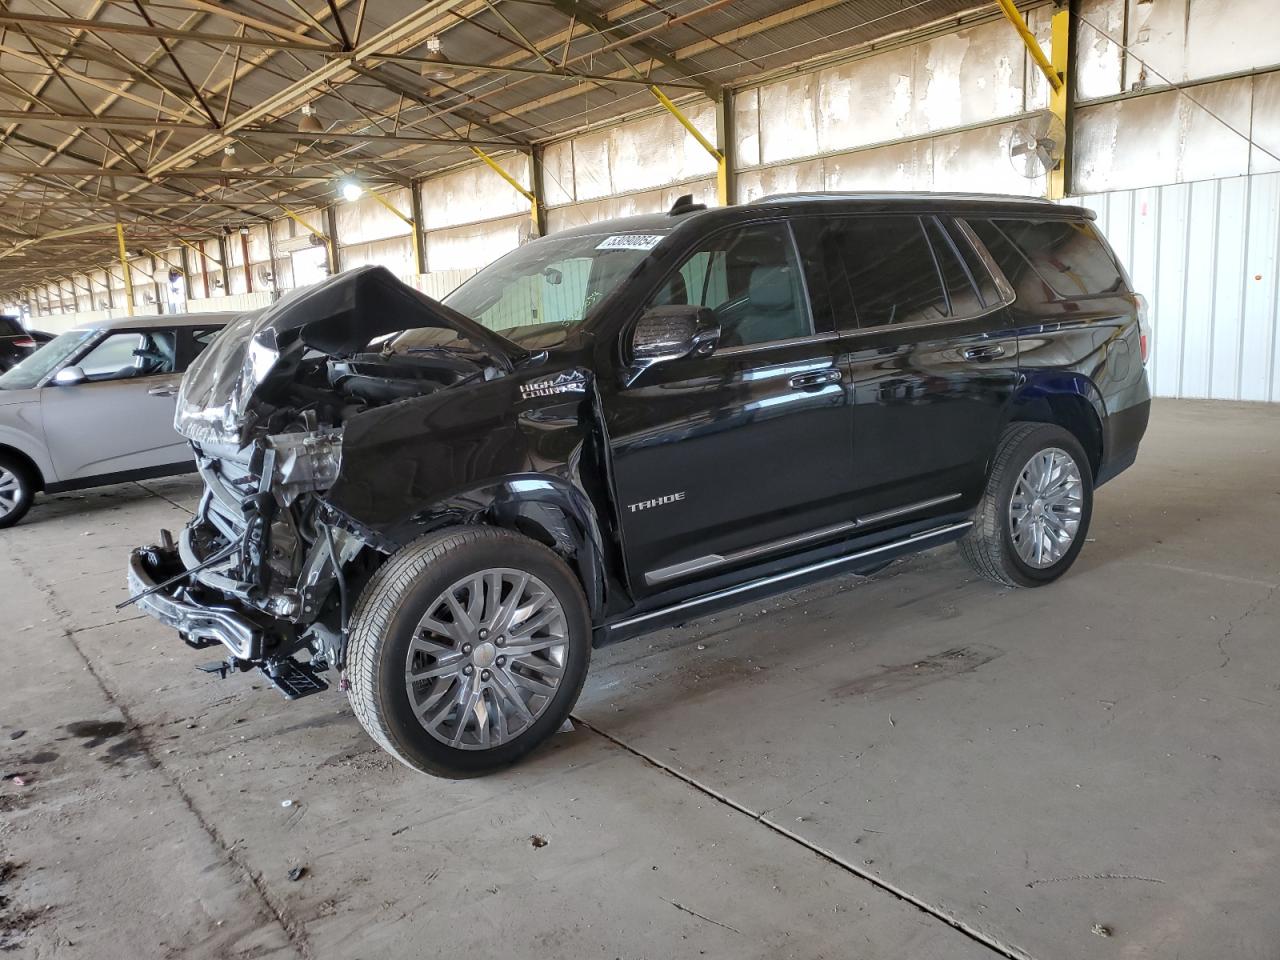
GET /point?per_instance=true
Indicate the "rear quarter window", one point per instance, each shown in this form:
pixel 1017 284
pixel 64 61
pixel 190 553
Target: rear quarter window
pixel 1051 259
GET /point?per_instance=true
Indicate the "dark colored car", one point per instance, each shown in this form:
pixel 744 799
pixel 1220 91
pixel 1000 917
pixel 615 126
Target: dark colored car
pixel 16 342
pixel 619 427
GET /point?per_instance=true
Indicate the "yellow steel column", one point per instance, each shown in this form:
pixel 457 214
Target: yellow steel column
pixel 535 215
pixel 124 266
pixel 1059 98
pixel 1056 71
pixel 417 252
pixel 328 241
pixel 722 163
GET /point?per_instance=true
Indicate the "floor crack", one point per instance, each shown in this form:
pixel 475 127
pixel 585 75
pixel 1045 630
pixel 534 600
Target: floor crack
pixel 1006 950
pixel 1094 876
pixel 695 913
pixel 1231 626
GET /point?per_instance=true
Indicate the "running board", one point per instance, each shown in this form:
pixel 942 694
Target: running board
pixel 763 586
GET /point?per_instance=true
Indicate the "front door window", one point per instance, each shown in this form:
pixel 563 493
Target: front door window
pixel 750 279
pixel 123 356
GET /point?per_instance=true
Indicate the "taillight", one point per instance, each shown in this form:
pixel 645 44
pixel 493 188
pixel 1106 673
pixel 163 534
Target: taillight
pixel 1144 327
pixel 24 342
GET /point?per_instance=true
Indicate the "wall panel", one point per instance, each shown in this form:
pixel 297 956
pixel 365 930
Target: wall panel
pixel 1207 257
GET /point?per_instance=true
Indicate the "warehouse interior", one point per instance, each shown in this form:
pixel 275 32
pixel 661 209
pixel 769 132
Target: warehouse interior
pixel 915 763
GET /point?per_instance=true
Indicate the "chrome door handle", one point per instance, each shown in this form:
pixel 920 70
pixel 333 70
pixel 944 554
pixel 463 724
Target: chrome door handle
pixel 988 351
pixel 818 378
pixel 162 390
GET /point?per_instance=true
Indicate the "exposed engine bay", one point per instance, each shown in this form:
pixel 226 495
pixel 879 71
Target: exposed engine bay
pixel 265 559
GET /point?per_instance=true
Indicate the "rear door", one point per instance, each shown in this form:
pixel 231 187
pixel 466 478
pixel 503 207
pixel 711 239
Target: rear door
pixel 722 460
pixel 121 418
pixel 931 360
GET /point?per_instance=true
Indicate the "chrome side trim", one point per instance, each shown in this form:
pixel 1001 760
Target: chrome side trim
pixel 774 344
pixel 697 564
pixel 909 508
pixel 792 574
pixel 712 560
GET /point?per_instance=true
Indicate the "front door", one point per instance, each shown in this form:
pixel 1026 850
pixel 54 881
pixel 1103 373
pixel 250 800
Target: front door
pixel 119 419
pixel 723 460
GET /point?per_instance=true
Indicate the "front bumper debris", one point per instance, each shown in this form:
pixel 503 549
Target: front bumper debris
pixel 198 623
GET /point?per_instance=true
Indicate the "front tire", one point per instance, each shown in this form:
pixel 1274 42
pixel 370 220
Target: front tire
pixel 17 490
pixel 468 648
pixel 1034 514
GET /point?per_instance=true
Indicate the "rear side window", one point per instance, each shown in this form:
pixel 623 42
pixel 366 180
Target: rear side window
pixel 962 296
pixel 9 327
pixel 1051 259
pixel 874 271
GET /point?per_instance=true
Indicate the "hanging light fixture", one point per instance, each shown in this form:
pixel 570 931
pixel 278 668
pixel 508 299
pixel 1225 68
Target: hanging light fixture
pixel 309 123
pixel 351 191
pixel 229 161
pixel 435 66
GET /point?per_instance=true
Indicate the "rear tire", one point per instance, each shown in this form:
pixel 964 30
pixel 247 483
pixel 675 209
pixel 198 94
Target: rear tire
pixel 17 490
pixel 1034 514
pixel 468 649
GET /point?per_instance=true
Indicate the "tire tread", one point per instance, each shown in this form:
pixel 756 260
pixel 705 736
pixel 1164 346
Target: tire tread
pixel 377 605
pixel 984 545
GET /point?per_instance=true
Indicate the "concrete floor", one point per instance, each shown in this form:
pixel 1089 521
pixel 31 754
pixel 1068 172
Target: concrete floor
pixel 918 765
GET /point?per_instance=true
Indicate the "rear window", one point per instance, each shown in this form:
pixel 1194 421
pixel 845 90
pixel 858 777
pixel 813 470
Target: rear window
pixel 9 327
pixel 1051 259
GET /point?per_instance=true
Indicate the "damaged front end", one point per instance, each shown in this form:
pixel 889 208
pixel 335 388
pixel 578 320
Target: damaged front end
pixel 267 567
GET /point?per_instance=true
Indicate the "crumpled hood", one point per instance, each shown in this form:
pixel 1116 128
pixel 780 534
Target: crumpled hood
pixel 338 317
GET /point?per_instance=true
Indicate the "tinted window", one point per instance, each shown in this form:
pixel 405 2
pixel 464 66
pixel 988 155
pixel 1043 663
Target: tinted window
pixel 194 342
pixel 1050 259
pixel 9 327
pixel 886 265
pixel 974 263
pixel 961 293
pixel 750 278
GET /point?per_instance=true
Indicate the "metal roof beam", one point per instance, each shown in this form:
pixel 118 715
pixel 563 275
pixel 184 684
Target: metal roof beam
pixel 556 74
pixel 163 33
pixel 407 32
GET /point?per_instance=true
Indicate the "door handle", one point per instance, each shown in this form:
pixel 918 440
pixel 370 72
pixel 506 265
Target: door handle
pixel 810 381
pixel 988 351
pixel 162 390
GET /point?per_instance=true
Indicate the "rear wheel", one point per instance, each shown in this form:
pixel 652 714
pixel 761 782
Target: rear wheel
pixel 468 649
pixel 1034 515
pixel 16 490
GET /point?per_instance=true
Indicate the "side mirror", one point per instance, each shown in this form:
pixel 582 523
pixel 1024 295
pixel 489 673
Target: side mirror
pixel 70 376
pixel 670 333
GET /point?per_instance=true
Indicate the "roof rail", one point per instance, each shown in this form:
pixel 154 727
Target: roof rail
pixel 814 195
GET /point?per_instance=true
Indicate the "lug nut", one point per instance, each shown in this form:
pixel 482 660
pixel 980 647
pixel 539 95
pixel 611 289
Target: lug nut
pixel 484 675
pixel 466 648
pixel 501 641
pixel 468 670
pixel 484 634
pixel 501 661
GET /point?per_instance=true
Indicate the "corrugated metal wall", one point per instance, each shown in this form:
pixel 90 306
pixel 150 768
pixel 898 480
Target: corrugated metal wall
pixel 1207 257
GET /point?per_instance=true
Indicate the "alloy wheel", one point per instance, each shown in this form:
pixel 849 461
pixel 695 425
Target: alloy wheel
pixel 487 658
pixel 10 492
pixel 1046 507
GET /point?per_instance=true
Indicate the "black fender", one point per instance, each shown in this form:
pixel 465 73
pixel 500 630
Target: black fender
pixel 1068 398
pixel 491 453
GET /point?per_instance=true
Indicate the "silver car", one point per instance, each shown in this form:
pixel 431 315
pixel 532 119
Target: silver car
pixel 95 406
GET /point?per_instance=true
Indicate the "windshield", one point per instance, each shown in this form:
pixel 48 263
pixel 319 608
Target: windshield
pixel 537 293
pixel 45 360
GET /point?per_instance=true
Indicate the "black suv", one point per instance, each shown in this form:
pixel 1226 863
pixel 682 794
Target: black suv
pixel 625 425
pixel 16 343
